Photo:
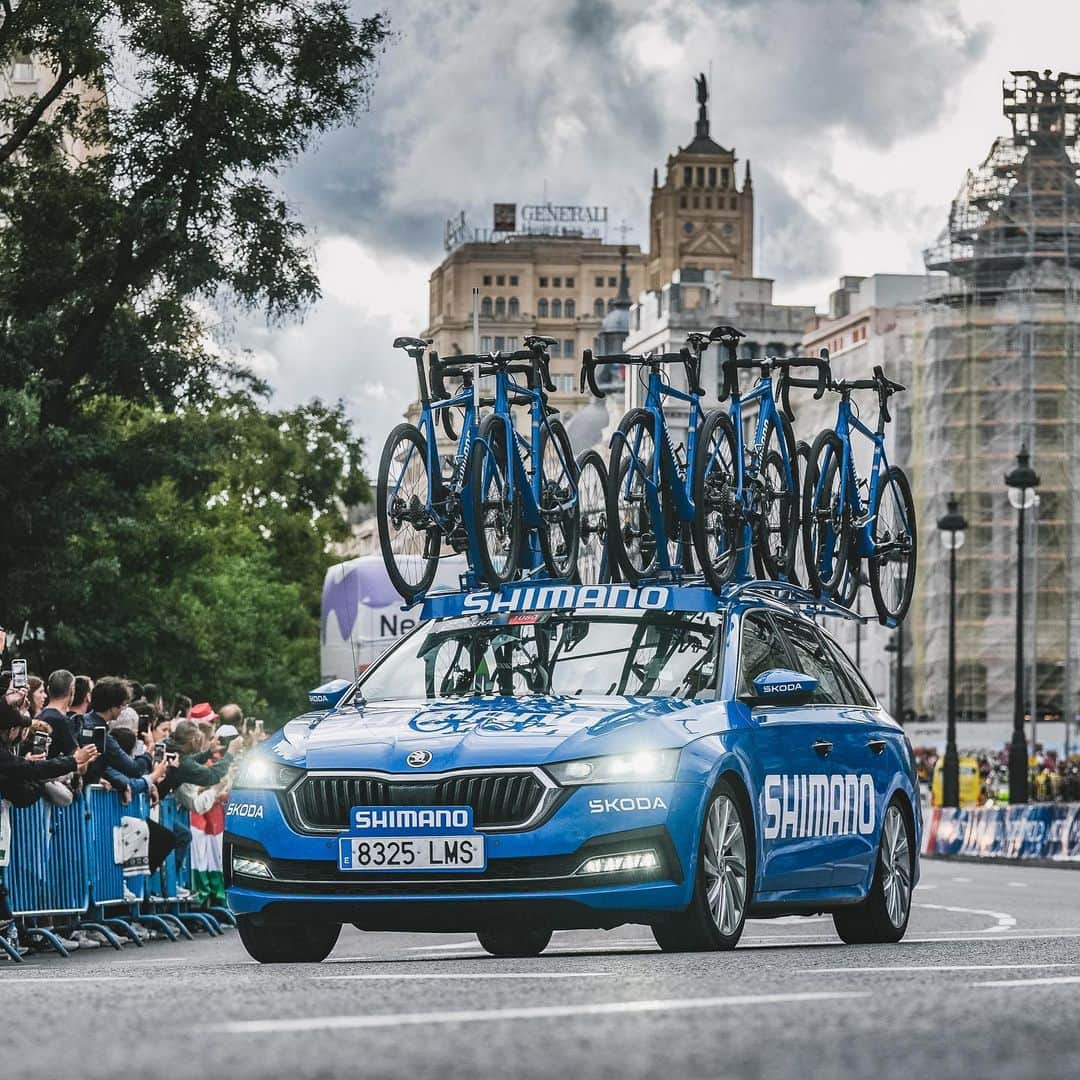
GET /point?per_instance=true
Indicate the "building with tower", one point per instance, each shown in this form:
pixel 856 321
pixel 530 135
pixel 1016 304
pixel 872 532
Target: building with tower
pixel 699 219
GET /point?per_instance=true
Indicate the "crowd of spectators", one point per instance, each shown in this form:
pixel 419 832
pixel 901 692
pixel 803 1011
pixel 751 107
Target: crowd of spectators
pixel 1051 776
pixel 61 734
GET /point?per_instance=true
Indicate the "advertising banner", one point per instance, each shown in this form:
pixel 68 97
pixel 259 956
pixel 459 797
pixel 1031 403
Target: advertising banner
pixel 1035 831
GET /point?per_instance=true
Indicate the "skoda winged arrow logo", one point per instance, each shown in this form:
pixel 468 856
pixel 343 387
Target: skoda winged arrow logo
pixel 418 759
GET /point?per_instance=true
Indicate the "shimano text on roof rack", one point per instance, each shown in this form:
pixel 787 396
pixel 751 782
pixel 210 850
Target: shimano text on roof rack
pixel 566 597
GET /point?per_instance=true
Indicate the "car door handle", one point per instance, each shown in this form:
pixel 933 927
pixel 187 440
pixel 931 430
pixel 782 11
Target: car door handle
pixel 822 747
pixel 877 746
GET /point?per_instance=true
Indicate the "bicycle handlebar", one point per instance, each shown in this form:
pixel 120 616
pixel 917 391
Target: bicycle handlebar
pixel 691 361
pixel 884 386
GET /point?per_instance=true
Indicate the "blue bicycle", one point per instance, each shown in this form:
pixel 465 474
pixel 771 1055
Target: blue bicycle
pixel 650 504
pixel 840 530
pixel 748 495
pixel 496 492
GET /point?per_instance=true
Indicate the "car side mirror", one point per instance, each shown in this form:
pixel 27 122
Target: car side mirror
pixel 329 694
pixel 783 686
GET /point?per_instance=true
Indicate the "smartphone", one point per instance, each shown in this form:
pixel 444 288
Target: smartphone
pixel 41 743
pixel 258 727
pixel 173 759
pixel 99 738
pixel 19 679
pixel 159 753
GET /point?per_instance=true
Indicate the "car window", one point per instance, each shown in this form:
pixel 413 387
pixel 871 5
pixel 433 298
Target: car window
pixel 811 658
pixel 861 694
pixel 762 650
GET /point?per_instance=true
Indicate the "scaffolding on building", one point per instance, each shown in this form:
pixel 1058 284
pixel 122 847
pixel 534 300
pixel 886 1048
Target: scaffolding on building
pixel 995 364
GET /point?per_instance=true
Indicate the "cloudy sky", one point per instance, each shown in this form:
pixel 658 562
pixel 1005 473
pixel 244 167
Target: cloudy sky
pixel 860 118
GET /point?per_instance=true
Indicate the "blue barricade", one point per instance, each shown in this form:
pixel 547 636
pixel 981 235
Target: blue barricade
pixel 104 812
pixel 1032 831
pixel 47 874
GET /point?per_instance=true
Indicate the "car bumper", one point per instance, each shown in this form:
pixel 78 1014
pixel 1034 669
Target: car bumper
pixel 532 873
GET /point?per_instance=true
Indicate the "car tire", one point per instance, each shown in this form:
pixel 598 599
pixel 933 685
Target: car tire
pixel 287 943
pixel 883 916
pixel 514 942
pixel 723 885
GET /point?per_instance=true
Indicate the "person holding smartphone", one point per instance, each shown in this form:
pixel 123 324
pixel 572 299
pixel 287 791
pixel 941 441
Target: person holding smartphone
pixel 21 777
pixel 107 700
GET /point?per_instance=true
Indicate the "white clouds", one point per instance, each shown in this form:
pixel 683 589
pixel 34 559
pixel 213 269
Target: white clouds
pixel 860 116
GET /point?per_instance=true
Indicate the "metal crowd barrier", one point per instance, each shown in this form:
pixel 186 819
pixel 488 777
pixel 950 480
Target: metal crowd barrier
pixel 62 864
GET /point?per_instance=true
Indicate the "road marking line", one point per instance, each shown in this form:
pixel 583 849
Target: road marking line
pixel 1050 980
pixel 8 980
pixel 1017 884
pixel 288 1025
pixel 1005 921
pixel 963 880
pixel 930 967
pixel 473 975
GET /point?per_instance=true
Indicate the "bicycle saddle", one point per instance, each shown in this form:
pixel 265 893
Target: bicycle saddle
pixel 412 342
pixel 729 335
pixel 698 341
pixel 537 339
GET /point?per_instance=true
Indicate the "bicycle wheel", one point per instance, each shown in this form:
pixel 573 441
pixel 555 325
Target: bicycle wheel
pixel 892 566
pixel 496 515
pixel 825 528
pixel 593 559
pixel 559 501
pixel 408 536
pixel 778 518
pixel 798 575
pixel 632 533
pixel 716 526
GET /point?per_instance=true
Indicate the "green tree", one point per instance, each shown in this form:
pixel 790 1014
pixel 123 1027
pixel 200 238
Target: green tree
pixel 137 192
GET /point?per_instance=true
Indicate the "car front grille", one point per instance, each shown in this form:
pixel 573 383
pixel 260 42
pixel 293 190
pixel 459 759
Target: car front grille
pixel 499 800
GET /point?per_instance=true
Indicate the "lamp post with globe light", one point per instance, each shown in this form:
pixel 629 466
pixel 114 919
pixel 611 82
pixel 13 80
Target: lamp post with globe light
pixel 952 526
pixel 1021 483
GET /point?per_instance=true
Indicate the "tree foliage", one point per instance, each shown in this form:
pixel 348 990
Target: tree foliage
pixel 155 514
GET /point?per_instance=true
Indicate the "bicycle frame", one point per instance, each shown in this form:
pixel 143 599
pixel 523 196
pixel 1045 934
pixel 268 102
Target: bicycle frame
pixel 682 489
pixel 519 484
pixel 767 412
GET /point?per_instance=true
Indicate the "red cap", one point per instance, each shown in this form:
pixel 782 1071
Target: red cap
pixel 202 713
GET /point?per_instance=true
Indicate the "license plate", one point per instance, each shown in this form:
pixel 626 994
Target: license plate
pixel 411 853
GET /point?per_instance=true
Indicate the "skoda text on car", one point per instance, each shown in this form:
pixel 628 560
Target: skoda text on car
pixel 564 757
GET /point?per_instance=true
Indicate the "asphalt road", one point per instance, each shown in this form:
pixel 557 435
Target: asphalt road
pixel 985 984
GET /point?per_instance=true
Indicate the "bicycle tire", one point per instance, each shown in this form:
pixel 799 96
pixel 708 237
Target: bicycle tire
pixel 559 538
pixel 411 573
pixel 631 531
pixel 496 516
pixel 777 563
pixel 896 481
pixel 819 547
pixel 798 574
pixel 717 520
pixel 593 561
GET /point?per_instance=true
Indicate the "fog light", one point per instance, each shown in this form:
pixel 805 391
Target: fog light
pixel 243 864
pixel 617 864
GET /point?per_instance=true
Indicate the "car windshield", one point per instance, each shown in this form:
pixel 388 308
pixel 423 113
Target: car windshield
pixel 655 654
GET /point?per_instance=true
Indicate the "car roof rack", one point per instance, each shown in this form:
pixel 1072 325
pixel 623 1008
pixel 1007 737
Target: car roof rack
pixel 519 597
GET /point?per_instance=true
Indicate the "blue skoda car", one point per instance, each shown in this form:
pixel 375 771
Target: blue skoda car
pixel 556 757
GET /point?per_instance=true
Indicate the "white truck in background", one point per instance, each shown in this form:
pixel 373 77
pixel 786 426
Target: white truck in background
pixel 363 614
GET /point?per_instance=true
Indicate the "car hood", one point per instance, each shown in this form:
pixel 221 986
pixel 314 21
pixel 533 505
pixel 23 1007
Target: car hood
pixel 493 731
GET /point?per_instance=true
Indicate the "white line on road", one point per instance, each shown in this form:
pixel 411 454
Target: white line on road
pixel 472 975
pixel 963 880
pixel 1005 921
pixel 9 980
pixel 926 967
pixel 1017 884
pixel 1050 980
pixel 287 1025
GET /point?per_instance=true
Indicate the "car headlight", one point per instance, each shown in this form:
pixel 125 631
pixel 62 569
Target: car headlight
pixel 616 768
pixel 263 772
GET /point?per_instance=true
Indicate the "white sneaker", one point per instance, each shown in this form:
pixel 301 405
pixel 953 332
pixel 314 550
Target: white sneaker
pixel 140 931
pixel 130 897
pixel 182 893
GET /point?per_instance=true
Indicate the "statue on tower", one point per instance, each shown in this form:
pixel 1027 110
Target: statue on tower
pixel 702 130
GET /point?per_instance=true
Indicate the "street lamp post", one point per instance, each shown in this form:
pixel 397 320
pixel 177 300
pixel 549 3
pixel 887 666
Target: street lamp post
pixel 952 526
pixel 1021 483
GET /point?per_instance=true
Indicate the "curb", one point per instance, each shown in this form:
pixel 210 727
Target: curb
pixel 1001 860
